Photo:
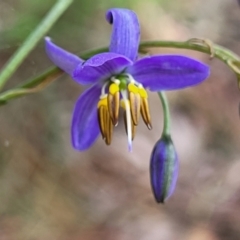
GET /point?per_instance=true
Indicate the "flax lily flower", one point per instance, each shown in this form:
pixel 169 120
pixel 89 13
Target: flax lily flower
pixel 119 79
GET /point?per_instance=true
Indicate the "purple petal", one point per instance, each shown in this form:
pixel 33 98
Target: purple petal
pixel 126 32
pixel 163 169
pixel 62 58
pixel 85 128
pixel 99 67
pixel 168 72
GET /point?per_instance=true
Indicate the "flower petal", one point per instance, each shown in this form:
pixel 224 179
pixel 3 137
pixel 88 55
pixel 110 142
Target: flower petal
pixel 85 128
pixel 168 72
pixel 99 67
pixel 126 32
pixel 62 58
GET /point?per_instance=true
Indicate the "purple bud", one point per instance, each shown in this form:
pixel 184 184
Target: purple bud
pixel 163 169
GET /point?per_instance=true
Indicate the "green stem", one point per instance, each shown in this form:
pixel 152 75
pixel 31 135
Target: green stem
pixel 14 62
pixel 54 70
pixel 166 114
pixel 223 54
pixel 220 52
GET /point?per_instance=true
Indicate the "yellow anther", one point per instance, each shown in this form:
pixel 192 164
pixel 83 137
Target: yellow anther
pixel 146 113
pixel 113 99
pixel 142 92
pixel 133 88
pixel 145 107
pixel 103 101
pixel 135 103
pixel 108 130
pixel 114 88
pixel 104 120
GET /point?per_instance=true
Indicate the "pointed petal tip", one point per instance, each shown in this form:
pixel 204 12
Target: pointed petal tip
pixel 126 32
pixel 47 39
pixel 169 72
pixel 60 57
pixel 78 147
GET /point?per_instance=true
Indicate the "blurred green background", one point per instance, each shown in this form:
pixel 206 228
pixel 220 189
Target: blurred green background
pixel 50 191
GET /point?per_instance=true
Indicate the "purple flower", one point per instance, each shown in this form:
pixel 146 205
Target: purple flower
pixel 163 169
pixel 119 79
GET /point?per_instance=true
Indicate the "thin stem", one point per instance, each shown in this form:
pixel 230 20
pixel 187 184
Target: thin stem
pixel 220 52
pixel 14 62
pixel 166 114
pixel 228 57
pixel 54 70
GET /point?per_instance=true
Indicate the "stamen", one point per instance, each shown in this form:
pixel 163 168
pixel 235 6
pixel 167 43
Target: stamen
pixel 145 108
pixel 109 130
pixel 101 121
pixel 132 125
pixel 128 119
pixel 102 115
pixel 104 120
pixel 135 102
pixel 133 131
pixel 113 101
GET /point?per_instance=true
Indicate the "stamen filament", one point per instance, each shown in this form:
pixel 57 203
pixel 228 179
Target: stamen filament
pixel 145 108
pixel 135 102
pixel 131 79
pixel 128 118
pixel 104 120
pixel 113 101
pixel 133 99
pixel 103 90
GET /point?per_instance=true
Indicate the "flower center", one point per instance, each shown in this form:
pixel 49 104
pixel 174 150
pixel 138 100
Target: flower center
pixel 128 94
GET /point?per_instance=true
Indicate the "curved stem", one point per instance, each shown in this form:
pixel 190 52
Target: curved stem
pixel 166 114
pixel 228 57
pixel 220 52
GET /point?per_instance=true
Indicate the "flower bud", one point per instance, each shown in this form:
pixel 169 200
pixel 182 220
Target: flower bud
pixel 163 169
